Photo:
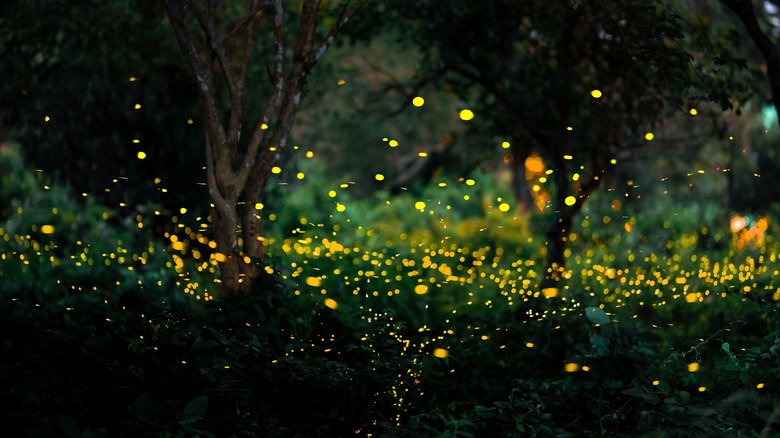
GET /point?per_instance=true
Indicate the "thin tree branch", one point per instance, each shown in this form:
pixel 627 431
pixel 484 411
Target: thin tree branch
pixel 531 134
pixel 257 9
pixel 344 17
pixel 274 100
pixel 176 10
pixel 206 21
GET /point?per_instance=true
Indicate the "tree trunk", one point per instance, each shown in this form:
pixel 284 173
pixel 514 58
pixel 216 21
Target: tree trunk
pixel 557 236
pixel 237 171
pixel 520 153
pixel 557 232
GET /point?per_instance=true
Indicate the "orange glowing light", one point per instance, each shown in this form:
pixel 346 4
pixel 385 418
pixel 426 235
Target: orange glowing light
pixel 534 164
pixel 737 223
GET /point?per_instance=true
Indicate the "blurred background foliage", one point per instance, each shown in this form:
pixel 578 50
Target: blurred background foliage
pixel 404 298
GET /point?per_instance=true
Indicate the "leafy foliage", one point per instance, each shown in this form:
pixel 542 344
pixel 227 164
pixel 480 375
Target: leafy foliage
pixel 383 311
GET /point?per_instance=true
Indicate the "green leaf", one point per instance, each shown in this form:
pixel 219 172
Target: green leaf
pixel 726 347
pixel 648 397
pixel 143 404
pixel 597 316
pixel 200 344
pixel 68 426
pixel 195 409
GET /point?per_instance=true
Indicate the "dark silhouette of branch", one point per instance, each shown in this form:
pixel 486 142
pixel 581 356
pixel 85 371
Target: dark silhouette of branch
pixel 745 11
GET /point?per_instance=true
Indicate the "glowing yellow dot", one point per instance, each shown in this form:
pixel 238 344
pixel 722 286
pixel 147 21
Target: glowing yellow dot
pixel 693 111
pixel 419 205
pixel 259 206
pixel 759 386
pixel 504 207
pixel 300 175
pixel 421 289
pixel 550 292
pixel 693 367
pixel 569 128
pixel 470 182
pixel 422 154
pixel 309 154
pixel 649 136
pixel 575 177
pixel 141 155
pixel 332 193
pixel 505 145
pixel 133 78
pixel 47 229
pixel 331 303
pixel 341 82
pixel 46 119
pixel 571 367
pixel 613 161
pixel 529 344
pixel 702 388
pixel 137 106
pixel 567 157
pixel 656 382
pixel 570 200
pixel 440 353
pixel 276 170
pixel 340 207
pixel 190 121
pixel 596 94
pixel 393 143
pixel 314 281
pixel 379 177
pixel 135 140
pixel 182 210
pixel 220 257
pixel 466 114
pixel 418 101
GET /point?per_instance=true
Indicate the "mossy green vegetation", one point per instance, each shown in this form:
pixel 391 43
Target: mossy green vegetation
pixel 410 315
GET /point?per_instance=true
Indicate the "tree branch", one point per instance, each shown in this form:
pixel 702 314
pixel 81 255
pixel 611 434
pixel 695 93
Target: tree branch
pixel 344 17
pixel 249 18
pixel 274 100
pixel 531 134
pixel 747 14
pixel 177 12
pixel 205 19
